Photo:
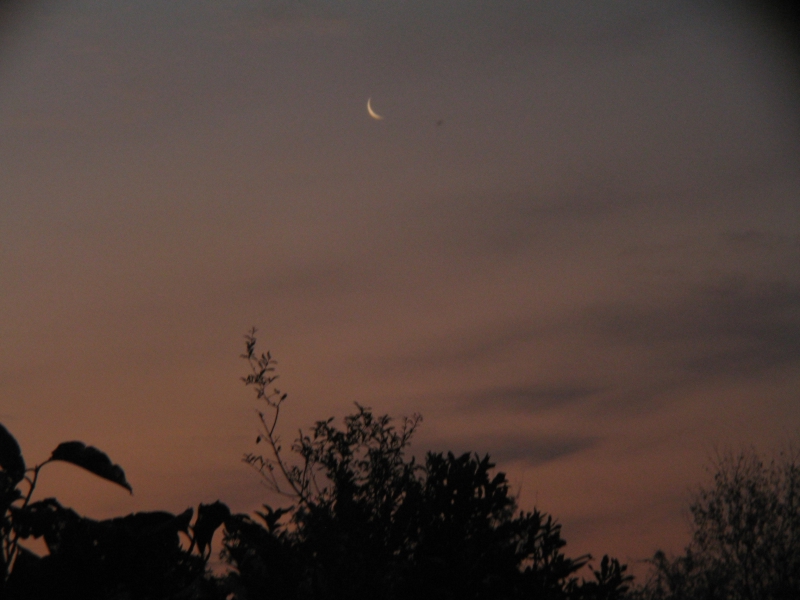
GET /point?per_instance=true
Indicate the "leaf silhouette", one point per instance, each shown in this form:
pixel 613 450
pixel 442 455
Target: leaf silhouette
pixel 183 520
pixel 209 518
pixel 91 459
pixel 11 460
pixel 271 517
pixel 38 518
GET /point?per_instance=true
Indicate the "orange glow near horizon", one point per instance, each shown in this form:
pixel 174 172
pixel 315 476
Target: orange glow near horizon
pixel 573 245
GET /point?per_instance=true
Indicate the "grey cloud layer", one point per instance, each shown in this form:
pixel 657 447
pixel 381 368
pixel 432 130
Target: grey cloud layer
pixel 720 328
pixel 531 449
pixel 532 398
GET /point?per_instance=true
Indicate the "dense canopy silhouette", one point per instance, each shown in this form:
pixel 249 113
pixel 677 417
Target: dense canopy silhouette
pixel 368 521
pixel 745 535
pixel 364 520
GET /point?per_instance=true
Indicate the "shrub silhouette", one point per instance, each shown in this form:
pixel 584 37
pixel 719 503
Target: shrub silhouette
pixel 366 522
pixel 746 535
pixel 135 556
pixel 369 523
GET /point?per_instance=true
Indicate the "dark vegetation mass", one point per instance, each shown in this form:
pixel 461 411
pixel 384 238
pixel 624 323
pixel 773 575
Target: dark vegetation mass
pixel 363 520
pixel 746 535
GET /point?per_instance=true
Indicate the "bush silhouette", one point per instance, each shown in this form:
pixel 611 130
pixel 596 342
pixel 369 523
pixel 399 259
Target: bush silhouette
pixel 367 522
pixel 746 535
pixel 135 556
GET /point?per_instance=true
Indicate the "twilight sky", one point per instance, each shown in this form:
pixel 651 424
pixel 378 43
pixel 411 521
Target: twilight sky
pixel 573 242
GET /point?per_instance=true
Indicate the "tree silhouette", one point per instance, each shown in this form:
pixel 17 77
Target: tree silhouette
pixel 369 522
pixel 366 522
pixel 746 535
pixel 135 556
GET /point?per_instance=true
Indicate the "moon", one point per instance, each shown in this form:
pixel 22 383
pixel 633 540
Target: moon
pixel 371 112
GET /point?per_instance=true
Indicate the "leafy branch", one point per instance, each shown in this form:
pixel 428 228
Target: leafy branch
pixel 13 472
pixel 261 377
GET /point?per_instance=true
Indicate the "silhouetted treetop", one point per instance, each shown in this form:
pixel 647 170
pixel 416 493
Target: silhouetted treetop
pixel 367 521
pixel 746 535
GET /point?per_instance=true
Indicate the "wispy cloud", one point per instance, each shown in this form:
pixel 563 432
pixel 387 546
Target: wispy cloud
pixel 457 349
pixel 532 449
pixel 718 328
pixel 532 398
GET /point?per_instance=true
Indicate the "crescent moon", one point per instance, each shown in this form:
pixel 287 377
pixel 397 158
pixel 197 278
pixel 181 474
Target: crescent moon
pixel 371 112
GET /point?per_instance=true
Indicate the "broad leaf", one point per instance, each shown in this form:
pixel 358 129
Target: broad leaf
pixel 183 520
pixel 209 518
pixel 146 523
pixel 38 518
pixel 91 459
pixel 152 533
pixel 11 460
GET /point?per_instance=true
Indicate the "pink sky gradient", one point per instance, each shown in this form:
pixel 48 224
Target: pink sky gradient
pixel 572 243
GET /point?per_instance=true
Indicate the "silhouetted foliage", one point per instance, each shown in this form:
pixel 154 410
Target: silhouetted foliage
pixel 369 523
pixel 91 459
pixel 11 461
pixel 209 519
pixel 135 556
pixel 746 535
